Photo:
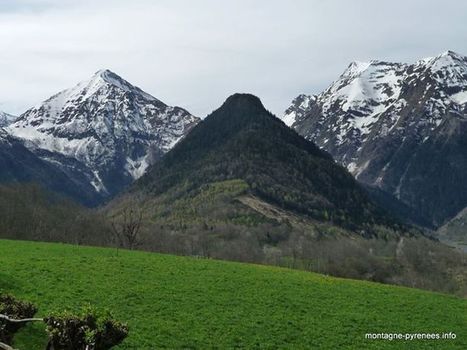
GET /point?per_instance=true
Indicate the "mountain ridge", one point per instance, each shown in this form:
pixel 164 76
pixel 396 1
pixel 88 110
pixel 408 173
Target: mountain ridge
pixel 396 127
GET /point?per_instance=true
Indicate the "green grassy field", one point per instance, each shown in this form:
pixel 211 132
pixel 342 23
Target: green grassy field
pixel 185 303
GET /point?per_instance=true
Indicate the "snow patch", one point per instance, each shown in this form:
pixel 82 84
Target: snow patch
pixel 289 118
pixel 97 183
pixel 136 168
pixel 460 97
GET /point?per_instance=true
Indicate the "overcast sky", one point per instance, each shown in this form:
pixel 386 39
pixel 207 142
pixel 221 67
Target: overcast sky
pixel 195 53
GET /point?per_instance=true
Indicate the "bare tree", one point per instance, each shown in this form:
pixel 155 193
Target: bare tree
pixel 126 227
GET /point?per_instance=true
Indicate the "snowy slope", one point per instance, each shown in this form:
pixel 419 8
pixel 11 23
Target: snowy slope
pixel 105 127
pixel 379 119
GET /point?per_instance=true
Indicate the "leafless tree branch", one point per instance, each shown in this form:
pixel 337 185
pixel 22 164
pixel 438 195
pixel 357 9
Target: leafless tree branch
pixel 126 230
pixel 12 320
pixel 4 346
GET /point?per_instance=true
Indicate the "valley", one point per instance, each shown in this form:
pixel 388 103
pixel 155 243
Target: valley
pixel 105 164
pixel 242 204
pixel 233 175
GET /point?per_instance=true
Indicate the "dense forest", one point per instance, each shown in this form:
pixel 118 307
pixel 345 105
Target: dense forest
pixel 242 140
pixel 29 212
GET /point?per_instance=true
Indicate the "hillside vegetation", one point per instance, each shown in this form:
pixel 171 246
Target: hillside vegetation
pixel 243 186
pixel 242 140
pixel 223 221
pixel 454 232
pixel 176 302
pixel 29 212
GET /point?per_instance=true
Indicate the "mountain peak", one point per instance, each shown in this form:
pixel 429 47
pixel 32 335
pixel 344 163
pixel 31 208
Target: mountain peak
pixel 452 54
pixel 356 67
pixel 447 58
pixel 102 72
pixel 243 141
pixel 241 100
pixel 108 76
pixel 240 110
pixel 448 69
pixel 452 58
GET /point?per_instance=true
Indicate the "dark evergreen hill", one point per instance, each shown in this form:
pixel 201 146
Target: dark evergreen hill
pixel 242 140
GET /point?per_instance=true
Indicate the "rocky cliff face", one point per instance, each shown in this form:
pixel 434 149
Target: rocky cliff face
pixel 399 127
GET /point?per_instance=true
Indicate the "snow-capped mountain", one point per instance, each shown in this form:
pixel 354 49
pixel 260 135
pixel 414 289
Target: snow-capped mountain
pixel 399 127
pixel 104 129
pixel 6 119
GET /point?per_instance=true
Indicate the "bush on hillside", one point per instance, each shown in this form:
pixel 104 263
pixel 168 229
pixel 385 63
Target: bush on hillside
pixel 88 330
pixel 15 309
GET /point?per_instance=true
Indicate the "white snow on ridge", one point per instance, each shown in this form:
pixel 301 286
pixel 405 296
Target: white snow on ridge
pixel 367 90
pixel 448 68
pixel 137 168
pixel 374 80
pixel 300 106
pixel 364 90
pixel 375 101
pixel 356 68
pixel 289 118
pixel 460 97
pixel 97 182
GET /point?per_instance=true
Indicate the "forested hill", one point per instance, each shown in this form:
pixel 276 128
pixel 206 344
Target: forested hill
pixel 242 140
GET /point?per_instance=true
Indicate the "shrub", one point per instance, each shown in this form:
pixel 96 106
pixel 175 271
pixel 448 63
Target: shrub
pixel 88 330
pixel 16 309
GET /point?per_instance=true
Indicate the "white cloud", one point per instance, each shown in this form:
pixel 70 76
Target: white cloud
pixel 196 53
